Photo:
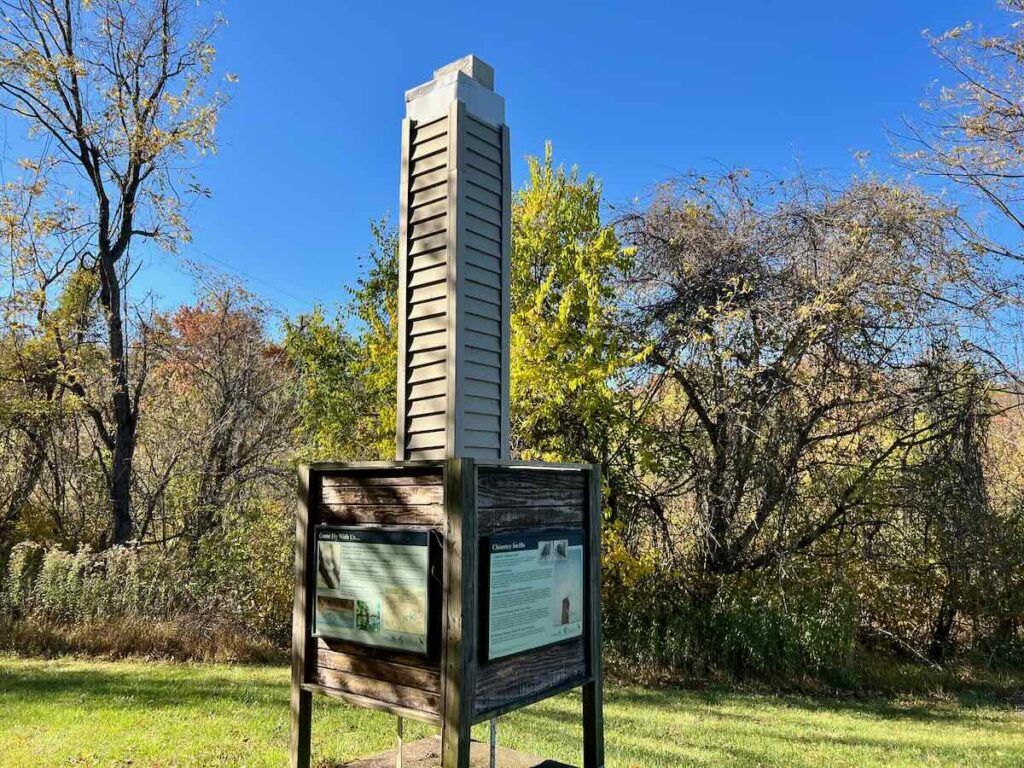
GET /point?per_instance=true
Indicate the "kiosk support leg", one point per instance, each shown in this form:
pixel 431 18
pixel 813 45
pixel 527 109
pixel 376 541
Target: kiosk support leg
pixel 593 704
pixel 401 742
pixel 458 663
pixel 494 742
pixel 301 700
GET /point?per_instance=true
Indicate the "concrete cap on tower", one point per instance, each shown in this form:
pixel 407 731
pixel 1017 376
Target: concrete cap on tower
pixel 470 80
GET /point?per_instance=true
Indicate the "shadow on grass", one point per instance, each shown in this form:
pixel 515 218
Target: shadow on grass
pixel 163 689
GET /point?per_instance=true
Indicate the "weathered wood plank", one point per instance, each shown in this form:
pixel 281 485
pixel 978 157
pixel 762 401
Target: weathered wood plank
pixel 504 682
pixel 399 495
pixel 403 696
pixel 411 676
pixel 501 519
pixel 370 478
pixel 391 514
pixel 515 487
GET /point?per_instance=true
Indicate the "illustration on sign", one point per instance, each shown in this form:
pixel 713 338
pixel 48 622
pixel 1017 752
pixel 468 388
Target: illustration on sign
pixel 535 591
pixel 372 586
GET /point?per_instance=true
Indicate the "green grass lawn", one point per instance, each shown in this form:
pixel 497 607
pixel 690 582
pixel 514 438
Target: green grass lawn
pixel 85 713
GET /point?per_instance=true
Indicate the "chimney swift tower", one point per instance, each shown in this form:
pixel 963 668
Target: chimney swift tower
pixel 409 573
pixel 455 222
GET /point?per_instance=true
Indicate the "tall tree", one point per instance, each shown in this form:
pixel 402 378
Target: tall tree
pixel 975 135
pixel 117 88
pixel 787 325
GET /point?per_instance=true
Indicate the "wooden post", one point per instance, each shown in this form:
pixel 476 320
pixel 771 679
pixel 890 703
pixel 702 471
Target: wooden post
pixel 301 700
pixel 593 705
pixel 460 613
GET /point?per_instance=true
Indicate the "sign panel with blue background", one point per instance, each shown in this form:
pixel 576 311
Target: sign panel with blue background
pixel 535 590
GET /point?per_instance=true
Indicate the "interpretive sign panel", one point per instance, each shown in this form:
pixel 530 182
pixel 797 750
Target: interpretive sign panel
pixel 372 586
pixel 535 590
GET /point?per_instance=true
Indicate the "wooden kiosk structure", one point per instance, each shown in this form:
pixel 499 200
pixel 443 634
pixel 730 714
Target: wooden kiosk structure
pixel 498 603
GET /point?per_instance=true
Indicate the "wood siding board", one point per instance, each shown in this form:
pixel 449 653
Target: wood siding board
pixel 428 292
pixel 429 357
pixel 456 117
pixel 483 292
pixel 480 128
pixel 426 180
pixel 428 210
pixel 430 130
pixel 482 372
pixel 481 276
pixel 428 276
pixel 429 147
pixel 428 195
pixel 427 391
pixel 483 356
pixel 422 440
pixel 428 227
pixel 506 291
pixel 427 373
pixel 427 407
pixel 486 325
pixel 483 212
pixel 483 405
pixel 483 148
pixel 403 270
pixel 428 309
pixel 485 260
pixel 427 327
pixel 483 228
pixel 481 421
pixel 483 180
pixel 429 244
pixel 427 258
pixel 428 455
pixel 483 164
pixel 427 165
pixel 431 423
pixel 484 195
pixel 476 438
pixel 484 341
pixel 484 245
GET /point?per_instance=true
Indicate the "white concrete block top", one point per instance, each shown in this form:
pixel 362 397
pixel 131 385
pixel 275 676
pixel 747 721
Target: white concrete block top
pixel 470 80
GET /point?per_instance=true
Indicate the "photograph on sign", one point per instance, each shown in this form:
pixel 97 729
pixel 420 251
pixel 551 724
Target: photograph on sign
pixel 372 586
pixel 535 590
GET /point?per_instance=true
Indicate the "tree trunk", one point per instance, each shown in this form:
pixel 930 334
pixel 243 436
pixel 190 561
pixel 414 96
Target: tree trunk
pixel 123 449
pixel 942 629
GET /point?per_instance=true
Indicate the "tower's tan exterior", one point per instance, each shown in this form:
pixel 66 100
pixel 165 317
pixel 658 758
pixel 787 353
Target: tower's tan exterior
pixel 454 250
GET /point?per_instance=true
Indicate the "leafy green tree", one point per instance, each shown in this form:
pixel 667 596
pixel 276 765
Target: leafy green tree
pixel 348 365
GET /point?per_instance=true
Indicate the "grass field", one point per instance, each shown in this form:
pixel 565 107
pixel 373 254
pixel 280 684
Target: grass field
pixel 78 713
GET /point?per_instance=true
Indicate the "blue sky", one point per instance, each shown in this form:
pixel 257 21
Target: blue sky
pixel 633 92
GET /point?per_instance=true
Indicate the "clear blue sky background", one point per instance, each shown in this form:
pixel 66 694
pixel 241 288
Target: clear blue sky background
pixel 631 91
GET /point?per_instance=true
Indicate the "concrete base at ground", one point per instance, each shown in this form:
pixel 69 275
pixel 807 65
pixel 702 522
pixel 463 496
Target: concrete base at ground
pixel 426 753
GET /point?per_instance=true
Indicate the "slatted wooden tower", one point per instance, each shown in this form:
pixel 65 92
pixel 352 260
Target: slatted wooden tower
pixel 454 242
pixel 452 479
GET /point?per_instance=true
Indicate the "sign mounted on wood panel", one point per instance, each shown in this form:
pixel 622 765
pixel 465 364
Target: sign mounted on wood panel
pixel 535 590
pixel 373 586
